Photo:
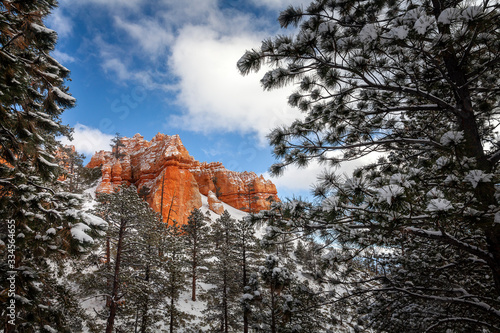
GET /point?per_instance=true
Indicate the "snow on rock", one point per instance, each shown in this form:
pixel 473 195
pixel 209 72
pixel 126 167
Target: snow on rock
pixel 175 179
pixel 214 203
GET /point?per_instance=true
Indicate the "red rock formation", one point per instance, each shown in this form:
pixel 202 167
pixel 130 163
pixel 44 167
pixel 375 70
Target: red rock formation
pixel 243 190
pixel 215 204
pixel 175 179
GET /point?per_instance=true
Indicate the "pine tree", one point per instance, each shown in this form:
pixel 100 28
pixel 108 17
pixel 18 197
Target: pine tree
pixel 46 221
pixel 225 275
pixel 116 145
pixel 175 258
pixel 248 254
pixel 416 82
pixel 72 163
pixel 250 197
pixel 195 234
pixel 128 273
pixel 144 192
pixel 147 292
pixel 282 303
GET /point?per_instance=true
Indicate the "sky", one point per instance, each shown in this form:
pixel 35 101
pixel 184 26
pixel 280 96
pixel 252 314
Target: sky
pixel 169 66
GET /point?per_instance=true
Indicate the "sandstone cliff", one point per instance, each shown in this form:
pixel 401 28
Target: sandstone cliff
pixel 174 180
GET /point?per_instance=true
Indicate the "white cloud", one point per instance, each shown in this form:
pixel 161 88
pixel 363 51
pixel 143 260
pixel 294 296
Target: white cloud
pixel 62 57
pixel 60 22
pixel 152 37
pixel 280 4
pixel 216 97
pixel 114 4
pixel 88 140
pixel 302 179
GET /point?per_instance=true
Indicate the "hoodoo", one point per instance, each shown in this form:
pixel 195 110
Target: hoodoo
pixel 174 180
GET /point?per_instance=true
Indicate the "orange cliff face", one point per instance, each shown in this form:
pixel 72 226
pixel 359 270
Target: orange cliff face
pixel 175 179
pixel 242 190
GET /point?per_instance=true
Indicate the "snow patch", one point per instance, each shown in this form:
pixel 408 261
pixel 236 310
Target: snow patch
pixel 439 205
pixel 472 13
pixel 78 233
pixel 389 192
pixel 368 33
pixel 452 138
pixel 478 176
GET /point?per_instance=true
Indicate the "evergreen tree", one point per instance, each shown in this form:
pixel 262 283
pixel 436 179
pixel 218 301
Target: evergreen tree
pixel 418 83
pixel 116 145
pixel 72 163
pixel 250 197
pixel 195 234
pixel 224 274
pixel 248 255
pixel 144 192
pixel 128 274
pixel 147 291
pixel 42 220
pixel 175 258
pixel 283 304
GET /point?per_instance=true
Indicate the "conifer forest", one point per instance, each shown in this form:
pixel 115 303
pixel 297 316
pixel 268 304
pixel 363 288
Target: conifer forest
pixel 407 243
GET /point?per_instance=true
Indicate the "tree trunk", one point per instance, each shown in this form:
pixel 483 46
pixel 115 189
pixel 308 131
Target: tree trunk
pixel 193 296
pixel 116 280
pixel 108 264
pixel 171 324
pixel 193 293
pixel 273 311
pixel 467 122
pixel 224 304
pixel 144 319
pixel 245 282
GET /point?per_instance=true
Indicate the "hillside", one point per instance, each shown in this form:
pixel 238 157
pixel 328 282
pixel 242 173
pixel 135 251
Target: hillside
pixel 305 276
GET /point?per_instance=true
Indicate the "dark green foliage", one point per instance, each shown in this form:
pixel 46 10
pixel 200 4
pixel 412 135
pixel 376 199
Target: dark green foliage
pixel 222 313
pixel 195 235
pixel 32 98
pixel 416 85
pixel 175 279
pixel 281 304
pixel 116 145
pixel 129 272
pixel 248 256
pixel 73 169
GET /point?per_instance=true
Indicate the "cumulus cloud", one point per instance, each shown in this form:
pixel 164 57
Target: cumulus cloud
pixel 215 96
pixel 280 4
pixel 62 57
pixel 113 4
pixel 88 140
pixel 193 47
pixel 152 37
pixel 60 22
pixel 302 179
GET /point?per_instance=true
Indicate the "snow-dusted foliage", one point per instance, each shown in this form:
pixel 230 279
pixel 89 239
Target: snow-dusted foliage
pixel 48 222
pixel 418 83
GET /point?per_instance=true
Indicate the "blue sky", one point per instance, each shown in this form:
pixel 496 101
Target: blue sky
pixel 142 66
